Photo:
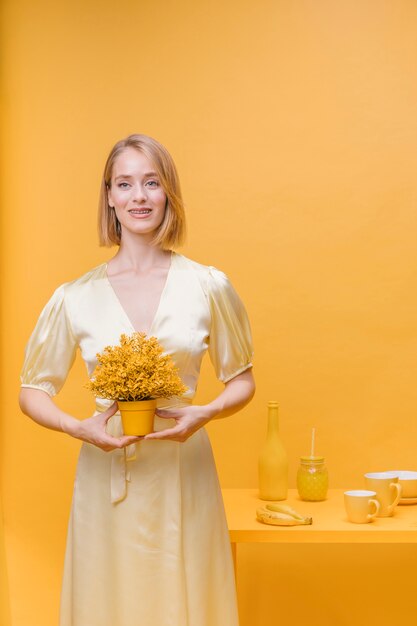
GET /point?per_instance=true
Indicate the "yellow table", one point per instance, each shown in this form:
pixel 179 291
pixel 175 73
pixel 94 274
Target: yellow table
pixel 330 524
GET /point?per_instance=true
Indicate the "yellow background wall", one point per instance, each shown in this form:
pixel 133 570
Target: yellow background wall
pixel 294 128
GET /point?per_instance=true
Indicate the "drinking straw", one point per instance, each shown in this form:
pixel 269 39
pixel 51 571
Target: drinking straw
pixel 313 436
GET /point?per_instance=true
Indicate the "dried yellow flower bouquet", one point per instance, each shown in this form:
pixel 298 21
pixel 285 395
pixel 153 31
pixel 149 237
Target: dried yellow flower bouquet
pixel 135 373
pixel 135 370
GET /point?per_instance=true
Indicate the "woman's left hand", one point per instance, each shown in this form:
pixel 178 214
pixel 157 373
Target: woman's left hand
pixel 235 395
pixel 188 420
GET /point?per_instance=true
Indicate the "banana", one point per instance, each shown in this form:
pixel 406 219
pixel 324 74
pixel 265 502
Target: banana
pixel 277 518
pixel 284 508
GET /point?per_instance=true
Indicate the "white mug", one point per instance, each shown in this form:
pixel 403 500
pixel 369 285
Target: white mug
pixel 388 490
pixel 361 506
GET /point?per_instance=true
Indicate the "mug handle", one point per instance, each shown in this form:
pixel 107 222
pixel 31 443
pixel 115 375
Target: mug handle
pixel 395 487
pixel 376 504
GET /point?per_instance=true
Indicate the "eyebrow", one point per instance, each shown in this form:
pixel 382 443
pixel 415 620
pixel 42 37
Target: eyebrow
pixel 147 175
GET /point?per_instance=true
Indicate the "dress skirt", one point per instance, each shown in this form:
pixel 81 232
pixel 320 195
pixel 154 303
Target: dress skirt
pixel 159 557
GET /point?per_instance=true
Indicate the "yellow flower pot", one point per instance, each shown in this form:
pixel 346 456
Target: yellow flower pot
pixel 137 416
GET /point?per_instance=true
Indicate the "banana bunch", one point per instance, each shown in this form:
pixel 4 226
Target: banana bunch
pixel 281 515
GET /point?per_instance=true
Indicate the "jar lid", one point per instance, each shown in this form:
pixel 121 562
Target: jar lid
pixel 312 459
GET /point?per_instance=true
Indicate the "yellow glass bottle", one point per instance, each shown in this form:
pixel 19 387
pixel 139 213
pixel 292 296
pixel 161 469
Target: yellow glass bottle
pixel 273 461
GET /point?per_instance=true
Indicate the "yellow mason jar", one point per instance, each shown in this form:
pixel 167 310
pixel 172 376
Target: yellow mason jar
pixel 312 478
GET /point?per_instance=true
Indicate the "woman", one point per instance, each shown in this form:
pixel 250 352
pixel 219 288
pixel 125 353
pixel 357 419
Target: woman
pixel 147 542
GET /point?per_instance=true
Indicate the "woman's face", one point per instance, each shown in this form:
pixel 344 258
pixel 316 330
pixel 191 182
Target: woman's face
pixel 136 193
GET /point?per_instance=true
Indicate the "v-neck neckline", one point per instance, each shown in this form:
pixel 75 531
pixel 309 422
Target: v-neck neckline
pixel 158 308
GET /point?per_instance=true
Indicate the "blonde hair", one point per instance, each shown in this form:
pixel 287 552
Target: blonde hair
pixel 171 232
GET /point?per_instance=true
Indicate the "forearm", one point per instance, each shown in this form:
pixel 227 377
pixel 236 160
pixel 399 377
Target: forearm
pixel 237 393
pixel 40 407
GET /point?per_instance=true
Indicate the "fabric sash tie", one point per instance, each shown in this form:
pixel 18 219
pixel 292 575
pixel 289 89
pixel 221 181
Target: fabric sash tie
pixel 120 457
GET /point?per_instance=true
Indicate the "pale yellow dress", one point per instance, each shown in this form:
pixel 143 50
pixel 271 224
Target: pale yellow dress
pixel 147 541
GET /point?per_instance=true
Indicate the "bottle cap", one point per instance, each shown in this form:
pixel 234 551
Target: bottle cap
pixel 312 459
pixel 273 403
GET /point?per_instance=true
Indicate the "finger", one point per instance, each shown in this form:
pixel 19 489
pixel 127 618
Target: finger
pixel 106 415
pixel 127 440
pixel 119 442
pixel 168 433
pixel 168 413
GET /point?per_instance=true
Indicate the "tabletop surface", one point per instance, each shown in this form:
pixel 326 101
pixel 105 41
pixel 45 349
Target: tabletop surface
pixel 330 524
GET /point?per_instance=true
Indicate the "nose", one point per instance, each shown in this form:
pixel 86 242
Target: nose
pixel 139 193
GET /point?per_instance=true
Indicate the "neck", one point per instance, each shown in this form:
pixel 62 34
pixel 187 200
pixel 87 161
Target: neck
pixel 137 253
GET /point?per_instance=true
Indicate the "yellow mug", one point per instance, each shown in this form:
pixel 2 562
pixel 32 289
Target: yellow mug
pixel 361 506
pixel 388 490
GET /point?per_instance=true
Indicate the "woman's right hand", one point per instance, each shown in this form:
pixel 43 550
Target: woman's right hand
pixel 37 404
pixel 93 430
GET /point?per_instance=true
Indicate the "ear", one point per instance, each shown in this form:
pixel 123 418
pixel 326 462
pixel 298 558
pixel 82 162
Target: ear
pixel 109 198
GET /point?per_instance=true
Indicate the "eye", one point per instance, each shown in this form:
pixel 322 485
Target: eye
pixel 152 183
pixel 123 185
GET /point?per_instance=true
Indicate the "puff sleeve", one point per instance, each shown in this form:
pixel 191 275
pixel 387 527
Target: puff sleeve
pixel 51 349
pixel 230 341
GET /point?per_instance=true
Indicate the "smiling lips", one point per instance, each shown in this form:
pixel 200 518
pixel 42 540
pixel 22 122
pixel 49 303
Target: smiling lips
pixel 140 212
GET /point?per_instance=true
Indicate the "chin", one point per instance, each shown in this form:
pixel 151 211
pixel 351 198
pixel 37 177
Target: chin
pixel 141 230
